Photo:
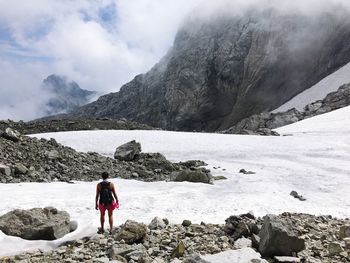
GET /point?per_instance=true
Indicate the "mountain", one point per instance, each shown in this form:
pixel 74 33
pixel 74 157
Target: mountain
pixel 64 95
pixel 231 66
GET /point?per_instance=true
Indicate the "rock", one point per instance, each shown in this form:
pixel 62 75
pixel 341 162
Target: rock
pixel 179 251
pixel 347 243
pixel 281 259
pixel 132 232
pixel 11 135
pixel 196 176
pixel 239 226
pixel 20 169
pixel 255 241
pixel 243 171
pixel 36 223
pixel 334 248
pixel 128 151
pixel 4 169
pixel 344 231
pixel 186 223
pixel 52 155
pixel 73 225
pixel 219 177
pixel 157 223
pixel 297 196
pixel 279 238
pixel 237 60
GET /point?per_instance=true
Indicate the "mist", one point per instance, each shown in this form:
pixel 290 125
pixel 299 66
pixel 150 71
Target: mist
pixel 103 44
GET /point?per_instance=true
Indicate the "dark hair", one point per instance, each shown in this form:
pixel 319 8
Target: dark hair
pixel 105 175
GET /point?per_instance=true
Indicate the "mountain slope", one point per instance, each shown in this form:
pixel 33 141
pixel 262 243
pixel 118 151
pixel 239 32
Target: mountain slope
pixel 65 96
pixel 224 69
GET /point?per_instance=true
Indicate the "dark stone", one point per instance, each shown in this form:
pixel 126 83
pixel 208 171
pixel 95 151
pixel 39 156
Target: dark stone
pixel 279 238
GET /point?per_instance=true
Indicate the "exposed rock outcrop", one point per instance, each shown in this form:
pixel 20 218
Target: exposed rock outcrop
pixel 266 120
pixel 220 71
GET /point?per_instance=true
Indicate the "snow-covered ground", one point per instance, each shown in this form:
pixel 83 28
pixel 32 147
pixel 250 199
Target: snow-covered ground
pixel 314 161
pixel 319 91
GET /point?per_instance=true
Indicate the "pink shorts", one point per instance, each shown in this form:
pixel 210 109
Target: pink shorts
pixel 110 207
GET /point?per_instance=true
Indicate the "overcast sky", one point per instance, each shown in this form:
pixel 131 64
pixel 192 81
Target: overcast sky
pixel 100 44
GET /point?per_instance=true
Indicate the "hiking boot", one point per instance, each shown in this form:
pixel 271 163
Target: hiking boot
pixel 100 231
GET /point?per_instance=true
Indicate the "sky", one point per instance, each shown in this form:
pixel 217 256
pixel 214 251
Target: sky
pixel 100 44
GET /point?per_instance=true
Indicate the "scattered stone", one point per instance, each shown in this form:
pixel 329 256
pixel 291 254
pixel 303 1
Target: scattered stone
pixel 186 223
pixel 128 151
pixel 194 176
pixel 11 135
pixel 243 171
pixel 157 223
pixel 344 231
pixel 279 238
pixel 20 169
pixel 219 177
pixel 297 196
pixel 5 170
pixel 132 232
pixel 36 223
pixel 179 251
pixel 334 248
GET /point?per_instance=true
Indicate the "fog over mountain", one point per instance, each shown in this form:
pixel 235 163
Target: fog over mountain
pixel 103 44
pixel 230 61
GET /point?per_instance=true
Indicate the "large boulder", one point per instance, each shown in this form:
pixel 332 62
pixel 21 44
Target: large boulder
pixel 194 176
pixel 132 232
pixel 36 223
pixel 11 135
pixel 128 151
pixel 279 238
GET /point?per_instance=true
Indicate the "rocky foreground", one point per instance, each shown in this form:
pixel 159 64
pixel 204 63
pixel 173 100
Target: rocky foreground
pixel 26 159
pixel 284 238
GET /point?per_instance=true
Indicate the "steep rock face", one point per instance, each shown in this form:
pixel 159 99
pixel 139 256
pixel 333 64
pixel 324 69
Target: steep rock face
pixel 65 96
pixel 222 70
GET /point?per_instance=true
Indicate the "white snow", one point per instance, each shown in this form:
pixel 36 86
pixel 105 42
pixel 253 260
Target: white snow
pixel 314 162
pixel 243 255
pixel 319 91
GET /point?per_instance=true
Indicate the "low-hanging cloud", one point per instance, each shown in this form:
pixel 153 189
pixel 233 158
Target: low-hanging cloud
pixel 99 44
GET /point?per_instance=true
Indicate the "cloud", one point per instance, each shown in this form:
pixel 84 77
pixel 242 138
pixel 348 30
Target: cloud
pixel 99 44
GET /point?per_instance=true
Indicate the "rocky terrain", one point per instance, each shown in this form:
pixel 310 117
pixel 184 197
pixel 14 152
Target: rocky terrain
pixel 266 121
pixel 220 71
pixel 284 238
pixel 26 159
pixel 54 125
pixel 65 95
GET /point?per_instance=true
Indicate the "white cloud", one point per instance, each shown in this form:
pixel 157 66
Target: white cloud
pixel 70 38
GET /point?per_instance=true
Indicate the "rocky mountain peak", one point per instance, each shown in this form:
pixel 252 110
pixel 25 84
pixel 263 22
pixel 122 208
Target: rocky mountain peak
pixel 226 68
pixel 65 95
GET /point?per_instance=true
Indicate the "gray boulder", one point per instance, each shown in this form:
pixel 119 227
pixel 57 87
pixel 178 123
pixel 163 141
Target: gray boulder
pixel 194 176
pixel 132 232
pixel 157 223
pixel 4 169
pixel 11 135
pixel 344 231
pixel 128 151
pixel 279 238
pixel 36 223
pixel 20 169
